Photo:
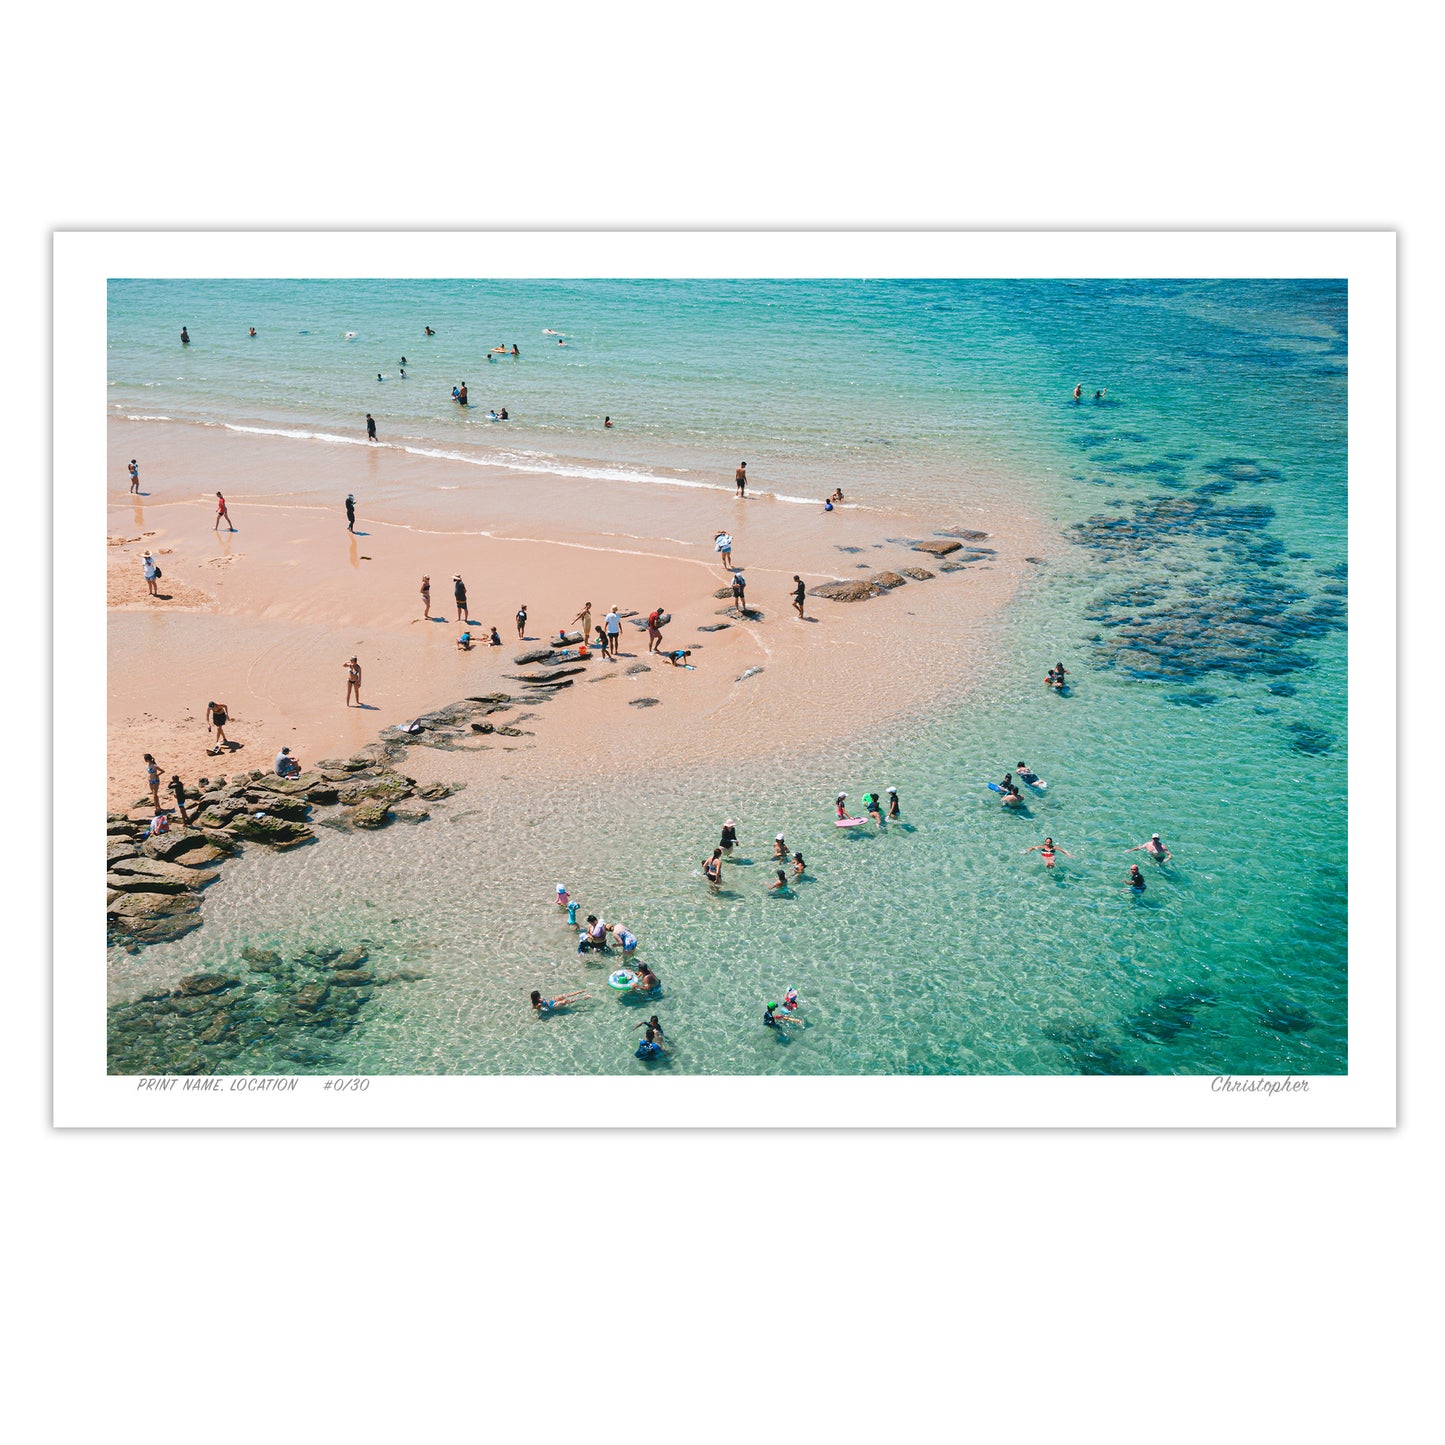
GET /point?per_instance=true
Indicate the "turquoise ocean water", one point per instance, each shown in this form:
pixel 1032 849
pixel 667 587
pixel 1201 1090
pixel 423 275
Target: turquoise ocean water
pixel 1197 595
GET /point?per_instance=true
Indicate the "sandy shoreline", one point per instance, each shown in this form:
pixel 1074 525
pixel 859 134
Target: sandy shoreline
pixel 265 618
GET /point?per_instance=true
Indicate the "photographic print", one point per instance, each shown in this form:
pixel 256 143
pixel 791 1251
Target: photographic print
pixel 812 674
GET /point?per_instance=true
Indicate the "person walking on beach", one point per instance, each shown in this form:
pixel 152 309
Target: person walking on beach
pixel 459 592
pixel 217 716
pixel 723 545
pixel 178 792
pixel 522 623
pixel 613 624
pixel 800 591
pixel 222 515
pixel 370 427
pixel 740 479
pixel 740 587
pixel 151 571
pixel 585 618
pixel 654 629
pixel 350 512
pixel 134 476
pixel 153 780
pixel 1154 848
pixel 426 599
pixel 353 681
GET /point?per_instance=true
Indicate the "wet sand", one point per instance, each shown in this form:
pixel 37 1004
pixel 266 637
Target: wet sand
pixel 265 618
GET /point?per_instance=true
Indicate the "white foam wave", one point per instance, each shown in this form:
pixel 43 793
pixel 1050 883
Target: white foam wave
pixel 129 417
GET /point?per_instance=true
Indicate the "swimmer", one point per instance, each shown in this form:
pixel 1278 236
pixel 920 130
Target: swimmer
pixel 872 807
pixel 185 337
pixel 729 839
pixel 1025 772
pixel 842 811
pixel 622 936
pixel 1098 396
pixel 504 413
pixel 893 803
pixel 1047 850
pixel 828 505
pixel 790 1000
pixel 551 1005
pixel 740 479
pixel 515 352
pixel 651 1045
pixel 403 373
pixel 799 866
pixel 594 936
pixel 651 1023
pixel 1154 848
pixel 837 495
pixel 780 885
pixel 780 848
pixel 771 1018
pixel 572 914
pixel 1078 391
pixel 712 869
pixel 646 981
pixel 1135 879
pixel 427 331
pixel 253 331
pixel 606 421
pixel 456 393
pixel 1011 795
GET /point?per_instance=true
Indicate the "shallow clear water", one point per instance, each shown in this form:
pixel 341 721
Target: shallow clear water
pixel 1200 610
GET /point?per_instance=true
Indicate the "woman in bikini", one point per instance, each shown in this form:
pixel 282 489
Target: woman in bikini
pixel 217 715
pixel 353 681
pixel 712 868
pixel 1047 849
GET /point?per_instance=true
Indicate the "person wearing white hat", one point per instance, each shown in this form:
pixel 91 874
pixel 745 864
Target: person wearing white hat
pixel 148 566
pixel 780 848
pixel 613 624
pixel 893 802
pixel 842 811
pixel 729 838
pixel 1154 848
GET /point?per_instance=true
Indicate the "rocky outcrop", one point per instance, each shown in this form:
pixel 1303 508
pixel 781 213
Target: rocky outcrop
pixel 961 532
pixel 938 549
pixel 149 875
pixel 274 832
pixel 888 580
pixel 856 590
pixel 194 983
pixel 644 702
pixel 374 813
pixel 919 574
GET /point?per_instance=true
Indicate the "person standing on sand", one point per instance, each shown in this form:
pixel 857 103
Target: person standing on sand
pixel 740 478
pixel 148 566
pixel 654 629
pixel 723 546
pixel 217 716
pixel 350 512
pixel 585 618
pixel 178 792
pixel 522 623
pixel 800 591
pixel 134 476
pixel 459 592
pixel 222 515
pixel 370 427
pixel 353 681
pixel 426 599
pixel 613 624
pixel 153 780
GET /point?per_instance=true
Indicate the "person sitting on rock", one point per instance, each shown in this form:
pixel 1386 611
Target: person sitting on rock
pixel 159 824
pixel 286 765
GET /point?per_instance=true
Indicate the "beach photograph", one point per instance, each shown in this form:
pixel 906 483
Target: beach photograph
pixel 701 676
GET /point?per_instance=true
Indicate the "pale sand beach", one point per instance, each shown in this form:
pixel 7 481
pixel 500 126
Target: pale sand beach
pixel 265 618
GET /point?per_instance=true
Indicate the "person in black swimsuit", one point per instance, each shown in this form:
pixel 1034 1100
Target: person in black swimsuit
pixel 350 512
pixel 370 427
pixel 800 591
pixel 729 839
pixel 459 591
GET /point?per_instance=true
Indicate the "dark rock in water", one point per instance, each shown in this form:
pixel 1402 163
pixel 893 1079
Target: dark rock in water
pixel 371 814
pixel 197 983
pixel 938 549
pixel 1193 699
pixel 262 960
pixel 148 875
pixel 220 1022
pixel 351 958
pixel 1159 1021
pixel 353 977
pixel 957 566
pixel 1037 561
pixel 274 832
pixel 644 702
pixel 1307 739
pixel 402 975
pixel 323 795
pixel 962 532
pixel 1282 689
pixel 919 574
pixel 1286 1018
pixel 435 792
pixel 410 815
pixel 310 995
pixel 837 548
pixel 387 788
pixel 855 591
pixel 537 654
pixel 293 810
pixel 888 580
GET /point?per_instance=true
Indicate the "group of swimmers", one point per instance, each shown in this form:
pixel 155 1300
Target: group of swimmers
pixel 872 807
pixel 1055 676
